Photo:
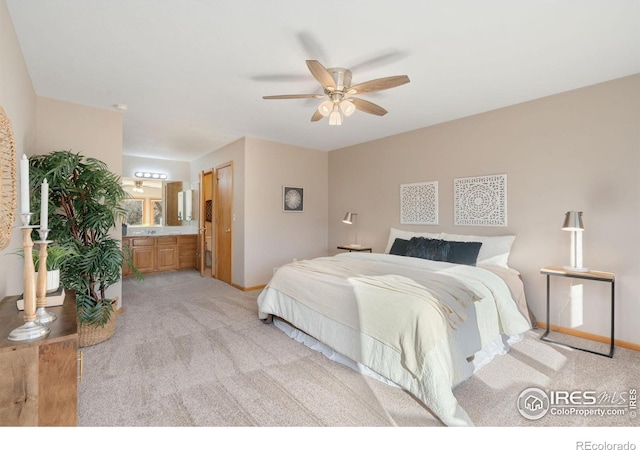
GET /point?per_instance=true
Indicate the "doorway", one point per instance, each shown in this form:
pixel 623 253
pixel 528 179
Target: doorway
pixel 223 228
pixel 206 240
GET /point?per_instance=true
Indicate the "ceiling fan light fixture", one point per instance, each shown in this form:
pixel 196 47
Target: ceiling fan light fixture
pixel 325 107
pixel 336 85
pixel 335 118
pixel 138 187
pixel 347 108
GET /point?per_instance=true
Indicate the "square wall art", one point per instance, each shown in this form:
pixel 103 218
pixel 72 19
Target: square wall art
pixel 480 201
pixel 292 199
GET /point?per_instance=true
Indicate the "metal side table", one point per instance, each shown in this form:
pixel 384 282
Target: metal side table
pixel 590 275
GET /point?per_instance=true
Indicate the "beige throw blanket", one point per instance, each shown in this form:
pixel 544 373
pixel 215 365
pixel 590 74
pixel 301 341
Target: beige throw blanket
pixel 401 313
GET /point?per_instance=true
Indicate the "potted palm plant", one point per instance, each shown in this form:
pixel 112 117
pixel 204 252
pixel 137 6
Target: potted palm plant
pixel 85 204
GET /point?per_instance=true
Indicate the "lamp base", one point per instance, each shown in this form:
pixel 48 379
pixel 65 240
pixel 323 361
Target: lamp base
pixel 576 269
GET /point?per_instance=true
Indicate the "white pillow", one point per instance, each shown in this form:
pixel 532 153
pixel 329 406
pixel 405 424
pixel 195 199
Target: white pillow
pixel 404 234
pixel 494 250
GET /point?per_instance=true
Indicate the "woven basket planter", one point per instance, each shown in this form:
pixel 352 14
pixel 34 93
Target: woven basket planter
pixel 89 335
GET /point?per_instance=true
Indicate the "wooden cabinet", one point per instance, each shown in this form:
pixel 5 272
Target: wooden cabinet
pixel 144 254
pixel 144 259
pixel 187 251
pixel 39 379
pixel 161 253
pixel 166 253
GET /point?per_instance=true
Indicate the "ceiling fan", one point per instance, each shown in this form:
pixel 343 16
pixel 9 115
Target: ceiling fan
pixel 339 93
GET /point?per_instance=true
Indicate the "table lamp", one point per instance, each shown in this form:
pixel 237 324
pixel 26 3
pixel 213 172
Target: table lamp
pixel 573 223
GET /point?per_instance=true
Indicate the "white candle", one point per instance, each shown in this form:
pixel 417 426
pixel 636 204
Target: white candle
pixel 24 185
pixel 44 208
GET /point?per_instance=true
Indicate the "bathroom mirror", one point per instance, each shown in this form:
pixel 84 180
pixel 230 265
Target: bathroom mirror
pixel 154 202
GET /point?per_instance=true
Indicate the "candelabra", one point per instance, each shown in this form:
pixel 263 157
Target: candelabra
pixel 42 315
pixel 31 329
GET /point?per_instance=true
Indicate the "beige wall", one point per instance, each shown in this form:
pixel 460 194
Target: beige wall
pixel 82 129
pixel 89 131
pixel 234 152
pixel 41 125
pixel 579 150
pixel 274 237
pixel 264 236
pixel 18 100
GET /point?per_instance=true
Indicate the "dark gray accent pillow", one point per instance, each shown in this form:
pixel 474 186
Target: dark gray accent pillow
pixel 425 248
pixel 440 250
pixel 399 247
pixel 463 252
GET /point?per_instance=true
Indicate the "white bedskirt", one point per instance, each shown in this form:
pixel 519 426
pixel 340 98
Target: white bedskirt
pixel 499 346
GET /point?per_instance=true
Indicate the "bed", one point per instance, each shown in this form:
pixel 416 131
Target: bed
pixel 423 315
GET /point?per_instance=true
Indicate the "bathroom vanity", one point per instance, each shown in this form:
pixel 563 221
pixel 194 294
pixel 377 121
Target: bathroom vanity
pixel 161 253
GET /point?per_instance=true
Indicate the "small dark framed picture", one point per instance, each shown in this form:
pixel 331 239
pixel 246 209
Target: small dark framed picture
pixel 292 199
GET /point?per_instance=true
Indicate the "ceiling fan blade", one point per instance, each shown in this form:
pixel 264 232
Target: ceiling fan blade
pixel 311 46
pixel 379 60
pixel 378 84
pixel 272 97
pixel 368 107
pixel 321 74
pixel 316 116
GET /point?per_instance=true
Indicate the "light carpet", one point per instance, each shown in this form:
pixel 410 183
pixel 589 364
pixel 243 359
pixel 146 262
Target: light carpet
pixel 191 352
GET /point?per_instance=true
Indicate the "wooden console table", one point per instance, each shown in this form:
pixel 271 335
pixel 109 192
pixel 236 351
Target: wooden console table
pixel 39 378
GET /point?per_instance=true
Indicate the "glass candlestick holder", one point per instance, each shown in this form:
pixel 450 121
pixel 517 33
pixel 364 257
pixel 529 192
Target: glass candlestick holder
pixel 31 329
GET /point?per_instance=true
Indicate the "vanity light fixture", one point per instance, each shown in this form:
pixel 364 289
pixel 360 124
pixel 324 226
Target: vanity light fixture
pixel 156 176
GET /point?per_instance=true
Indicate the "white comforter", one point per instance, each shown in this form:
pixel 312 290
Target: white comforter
pixel 413 321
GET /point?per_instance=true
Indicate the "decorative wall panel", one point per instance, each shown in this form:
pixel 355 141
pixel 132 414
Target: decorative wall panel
pixel 419 203
pixel 481 201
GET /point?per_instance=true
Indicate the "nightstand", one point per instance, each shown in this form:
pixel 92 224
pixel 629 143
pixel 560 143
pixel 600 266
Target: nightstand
pixel 590 275
pixel 354 248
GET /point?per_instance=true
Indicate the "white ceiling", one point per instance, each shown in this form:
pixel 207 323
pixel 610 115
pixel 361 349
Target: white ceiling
pixel 193 72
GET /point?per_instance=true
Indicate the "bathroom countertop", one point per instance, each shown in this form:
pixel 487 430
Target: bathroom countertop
pixel 156 234
pixel 159 231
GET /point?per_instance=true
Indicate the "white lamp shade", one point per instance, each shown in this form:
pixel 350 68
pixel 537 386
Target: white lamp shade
pixel 348 218
pixel 325 108
pixel 335 118
pixel 347 107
